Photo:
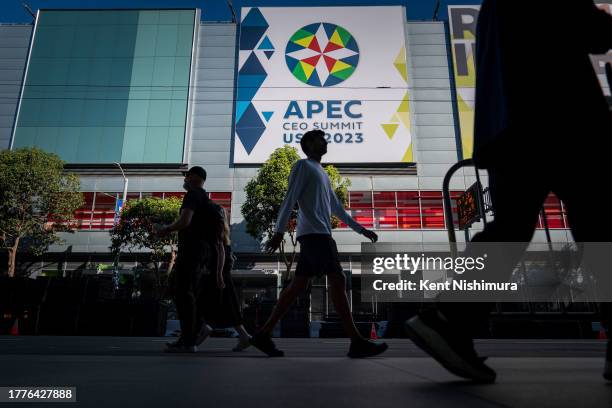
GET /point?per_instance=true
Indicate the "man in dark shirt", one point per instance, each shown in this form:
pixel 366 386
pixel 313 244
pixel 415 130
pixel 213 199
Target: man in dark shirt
pixel 200 229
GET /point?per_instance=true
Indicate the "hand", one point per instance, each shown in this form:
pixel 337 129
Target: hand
pixel 371 235
pixel 274 243
pixel 220 282
pixel 159 229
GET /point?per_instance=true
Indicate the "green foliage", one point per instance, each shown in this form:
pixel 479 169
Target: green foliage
pixel 134 230
pixel 265 194
pixel 37 200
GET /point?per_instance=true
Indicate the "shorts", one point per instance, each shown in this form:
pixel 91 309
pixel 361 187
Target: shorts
pixel 318 256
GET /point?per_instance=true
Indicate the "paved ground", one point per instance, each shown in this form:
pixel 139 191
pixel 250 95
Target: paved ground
pixel 132 372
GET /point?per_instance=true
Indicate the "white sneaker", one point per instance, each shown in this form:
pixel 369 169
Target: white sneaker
pixel 203 334
pixel 243 343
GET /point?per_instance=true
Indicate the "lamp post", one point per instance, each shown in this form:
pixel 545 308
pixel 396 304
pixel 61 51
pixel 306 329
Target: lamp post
pixel 125 182
pixel 116 276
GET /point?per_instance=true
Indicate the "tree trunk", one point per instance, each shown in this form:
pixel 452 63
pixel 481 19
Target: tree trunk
pixel 12 258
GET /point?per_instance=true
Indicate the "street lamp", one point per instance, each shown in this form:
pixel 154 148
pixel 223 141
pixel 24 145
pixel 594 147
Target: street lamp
pixel 116 276
pixel 125 182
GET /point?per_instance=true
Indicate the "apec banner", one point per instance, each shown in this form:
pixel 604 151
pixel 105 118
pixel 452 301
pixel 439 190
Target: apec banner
pixel 463 21
pixel 338 69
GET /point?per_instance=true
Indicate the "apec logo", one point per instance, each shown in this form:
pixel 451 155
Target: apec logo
pixel 322 54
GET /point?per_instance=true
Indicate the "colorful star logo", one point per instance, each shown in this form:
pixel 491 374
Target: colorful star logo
pixel 322 54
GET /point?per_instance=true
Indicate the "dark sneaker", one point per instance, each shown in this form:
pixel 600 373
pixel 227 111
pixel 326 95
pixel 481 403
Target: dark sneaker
pixel 607 374
pixel 179 347
pixel 264 343
pixel 366 348
pixel 454 352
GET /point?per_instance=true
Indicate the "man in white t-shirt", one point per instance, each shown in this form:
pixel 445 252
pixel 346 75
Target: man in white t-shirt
pixel 310 187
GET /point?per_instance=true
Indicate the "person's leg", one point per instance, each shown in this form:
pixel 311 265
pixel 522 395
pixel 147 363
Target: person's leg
pixel 285 300
pixel 446 332
pixel 337 291
pixel 243 338
pixel 517 201
pixel 242 331
pixel 185 299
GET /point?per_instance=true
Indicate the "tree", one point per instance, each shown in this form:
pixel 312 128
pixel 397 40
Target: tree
pixel 37 200
pixel 134 230
pixel 266 192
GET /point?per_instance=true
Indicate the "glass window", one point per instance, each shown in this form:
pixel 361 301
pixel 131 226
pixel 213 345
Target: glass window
pixel 83 214
pixel 363 217
pixel 360 199
pixel 432 209
pixel 94 70
pixel 409 210
pixel 384 199
pixel 385 218
pixel 554 213
pixel 104 211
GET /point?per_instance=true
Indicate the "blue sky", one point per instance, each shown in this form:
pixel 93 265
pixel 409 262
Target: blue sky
pixel 11 11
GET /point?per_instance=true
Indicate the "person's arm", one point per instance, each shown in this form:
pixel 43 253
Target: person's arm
pixel 297 178
pixel 296 184
pixel 338 210
pixel 220 248
pixel 187 209
pixel 182 222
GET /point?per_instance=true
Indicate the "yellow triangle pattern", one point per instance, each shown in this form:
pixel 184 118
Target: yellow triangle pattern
pixel 394 119
pixel 405 118
pixel 408 157
pixel 339 66
pixel 308 69
pixel 400 64
pixel 466 127
pixel 390 129
pixel 405 105
pixel 335 38
pixel 305 42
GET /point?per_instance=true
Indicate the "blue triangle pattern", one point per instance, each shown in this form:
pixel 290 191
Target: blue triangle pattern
pixel 267 115
pixel 268 54
pixel 254 18
pixel 266 44
pixel 249 128
pixel 250 36
pixel 240 108
pixel 252 66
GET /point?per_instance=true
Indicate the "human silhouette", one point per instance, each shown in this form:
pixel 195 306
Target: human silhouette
pixel 542 125
pixel 200 251
pixel 219 301
pixel 310 187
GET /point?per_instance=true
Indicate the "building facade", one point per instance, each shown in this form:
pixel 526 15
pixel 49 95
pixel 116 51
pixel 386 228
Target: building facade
pixel 155 90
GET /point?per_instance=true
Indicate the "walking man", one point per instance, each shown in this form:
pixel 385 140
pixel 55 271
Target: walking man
pixel 311 188
pixel 200 250
pixel 539 128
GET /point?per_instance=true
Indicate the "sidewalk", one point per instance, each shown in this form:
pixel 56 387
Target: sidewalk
pixel 113 372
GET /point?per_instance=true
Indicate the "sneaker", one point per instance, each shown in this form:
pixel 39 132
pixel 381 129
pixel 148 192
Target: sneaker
pixel 203 334
pixel 607 374
pixel 366 348
pixel 264 343
pixel 455 353
pixel 243 343
pixel 179 347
